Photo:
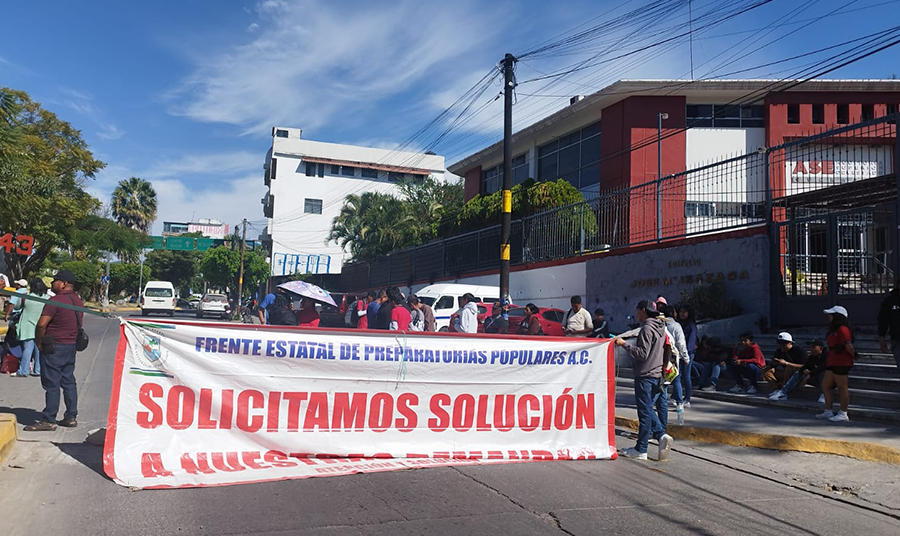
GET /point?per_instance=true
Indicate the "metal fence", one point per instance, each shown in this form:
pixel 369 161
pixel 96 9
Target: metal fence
pixel 793 185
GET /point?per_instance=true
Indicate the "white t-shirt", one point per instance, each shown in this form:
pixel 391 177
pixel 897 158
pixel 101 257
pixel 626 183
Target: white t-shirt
pixel 578 321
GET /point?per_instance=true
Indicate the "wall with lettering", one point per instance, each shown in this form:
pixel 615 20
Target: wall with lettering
pixel 618 282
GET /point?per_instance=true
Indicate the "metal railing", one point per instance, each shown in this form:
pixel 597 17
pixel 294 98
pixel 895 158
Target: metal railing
pixel 833 170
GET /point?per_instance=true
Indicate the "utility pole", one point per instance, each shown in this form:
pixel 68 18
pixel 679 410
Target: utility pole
pixel 106 286
pixel 509 84
pixel 237 306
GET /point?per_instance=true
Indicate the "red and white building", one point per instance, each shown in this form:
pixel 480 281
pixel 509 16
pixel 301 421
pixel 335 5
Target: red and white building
pixel 608 141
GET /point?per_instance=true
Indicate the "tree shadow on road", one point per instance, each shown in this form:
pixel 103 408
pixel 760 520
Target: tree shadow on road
pixel 23 415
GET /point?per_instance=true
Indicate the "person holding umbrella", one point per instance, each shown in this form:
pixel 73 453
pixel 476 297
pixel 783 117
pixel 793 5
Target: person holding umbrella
pixel 310 294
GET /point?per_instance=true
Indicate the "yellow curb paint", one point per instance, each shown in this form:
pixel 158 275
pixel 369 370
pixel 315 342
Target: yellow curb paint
pixel 869 452
pixel 7 434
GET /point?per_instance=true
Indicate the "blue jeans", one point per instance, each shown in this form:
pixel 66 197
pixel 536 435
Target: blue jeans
pixel 29 349
pixel 795 379
pixel 739 373
pixel 58 371
pixel 650 398
pixel 709 374
pixel 682 383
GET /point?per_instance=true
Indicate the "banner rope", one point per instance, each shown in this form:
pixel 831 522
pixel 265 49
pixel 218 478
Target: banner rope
pixel 11 294
pixel 401 369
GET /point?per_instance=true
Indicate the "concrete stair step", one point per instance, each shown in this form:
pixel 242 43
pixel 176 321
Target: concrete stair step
pixel 858 408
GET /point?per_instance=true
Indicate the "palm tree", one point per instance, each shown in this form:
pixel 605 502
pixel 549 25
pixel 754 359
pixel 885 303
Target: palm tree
pixel 372 224
pixel 134 204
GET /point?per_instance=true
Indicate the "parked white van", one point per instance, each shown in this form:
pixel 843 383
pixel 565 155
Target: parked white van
pixel 444 299
pixel 158 297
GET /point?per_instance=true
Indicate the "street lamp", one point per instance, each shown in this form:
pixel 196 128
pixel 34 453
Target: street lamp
pixel 660 117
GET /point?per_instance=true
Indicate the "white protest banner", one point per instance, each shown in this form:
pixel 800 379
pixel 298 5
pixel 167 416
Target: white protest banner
pixel 211 404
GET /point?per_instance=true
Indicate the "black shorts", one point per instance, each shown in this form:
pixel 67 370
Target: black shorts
pixel 839 371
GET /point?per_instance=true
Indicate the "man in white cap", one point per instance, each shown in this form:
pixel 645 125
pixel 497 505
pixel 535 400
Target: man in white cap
pixel 15 302
pixel 787 360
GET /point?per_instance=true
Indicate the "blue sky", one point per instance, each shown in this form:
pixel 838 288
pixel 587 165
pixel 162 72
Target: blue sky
pixel 184 93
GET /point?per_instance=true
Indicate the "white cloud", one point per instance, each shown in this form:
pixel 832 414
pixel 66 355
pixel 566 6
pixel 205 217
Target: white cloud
pixel 212 164
pixel 312 63
pixel 83 104
pixel 253 27
pixel 229 201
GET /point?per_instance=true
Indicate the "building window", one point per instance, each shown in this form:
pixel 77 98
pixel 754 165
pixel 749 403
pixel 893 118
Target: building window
pixel 793 113
pixel 725 116
pixel 868 112
pixel 281 133
pixel 335 169
pixel 818 114
pixel 312 206
pixel 368 173
pixel 396 177
pixel 574 157
pixel 310 169
pixel 891 109
pixel 348 171
pixel 492 179
pixel 843 114
pixel 695 208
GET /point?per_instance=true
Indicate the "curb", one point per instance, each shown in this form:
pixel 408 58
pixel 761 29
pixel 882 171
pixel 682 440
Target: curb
pixel 869 452
pixel 7 434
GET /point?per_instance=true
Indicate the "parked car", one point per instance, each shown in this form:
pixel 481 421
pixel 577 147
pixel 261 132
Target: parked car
pixel 443 298
pixel 335 317
pixel 158 297
pixel 550 318
pixel 214 305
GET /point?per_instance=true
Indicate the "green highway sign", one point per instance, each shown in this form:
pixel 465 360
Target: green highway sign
pixel 156 242
pixel 180 243
pixel 205 243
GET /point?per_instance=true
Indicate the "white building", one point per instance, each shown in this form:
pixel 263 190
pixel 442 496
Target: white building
pixel 308 182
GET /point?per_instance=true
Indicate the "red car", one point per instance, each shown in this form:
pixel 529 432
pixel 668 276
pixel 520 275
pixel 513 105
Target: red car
pixel 550 318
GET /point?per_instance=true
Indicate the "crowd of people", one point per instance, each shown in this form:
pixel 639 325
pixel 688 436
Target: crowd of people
pixel 44 338
pixel 666 336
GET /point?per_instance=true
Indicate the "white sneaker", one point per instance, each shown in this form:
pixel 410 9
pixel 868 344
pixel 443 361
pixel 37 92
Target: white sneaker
pixel 672 402
pixel 778 395
pixel 751 390
pixel 827 414
pixel 665 445
pixel 687 404
pixel 736 389
pixel 840 416
pixel 708 389
pixel 821 399
pixel 632 453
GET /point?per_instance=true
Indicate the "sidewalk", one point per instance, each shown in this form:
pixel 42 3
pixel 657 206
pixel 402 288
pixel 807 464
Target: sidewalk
pixel 715 421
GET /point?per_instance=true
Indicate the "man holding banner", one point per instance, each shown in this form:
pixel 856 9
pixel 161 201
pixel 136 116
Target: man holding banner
pixel 648 353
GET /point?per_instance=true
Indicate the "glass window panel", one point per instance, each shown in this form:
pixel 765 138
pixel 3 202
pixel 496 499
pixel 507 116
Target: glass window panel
pixel 590 130
pixel 753 123
pixel 793 113
pixel 590 150
pixel 348 171
pixel 310 169
pixel 519 160
pixel 312 206
pixel 727 110
pixel 753 111
pixel 571 178
pixel 570 139
pixel 548 148
pixel 520 174
pixel 569 159
pixel 693 123
pixel 547 169
pixel 590 175
pixel 726 123
pixel 370 173
pixel 335 169
pixel 699 110
pixel 843 114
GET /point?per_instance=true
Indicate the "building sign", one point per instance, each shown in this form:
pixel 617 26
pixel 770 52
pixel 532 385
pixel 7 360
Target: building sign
pixel 209 230
pixel 832 171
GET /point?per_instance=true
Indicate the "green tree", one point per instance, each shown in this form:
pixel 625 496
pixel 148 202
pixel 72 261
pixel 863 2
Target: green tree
pixel 372 224
pixel 220 266
pixel 126 277
pixel 177 267
pixel 134 204
pixel 95 234
pixel 44 165
pixel 87 277
pixel 256 270
pixel 429 202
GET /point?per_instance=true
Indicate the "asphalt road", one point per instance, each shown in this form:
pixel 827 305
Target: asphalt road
pixel 54 484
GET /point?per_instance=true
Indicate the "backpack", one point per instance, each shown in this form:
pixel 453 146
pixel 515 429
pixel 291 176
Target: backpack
pixel 670 361
pixel 280 313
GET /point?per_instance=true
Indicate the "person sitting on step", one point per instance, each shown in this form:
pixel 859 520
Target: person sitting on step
pixel 747 364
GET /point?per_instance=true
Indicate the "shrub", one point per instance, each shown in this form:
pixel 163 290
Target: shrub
pixel 711 302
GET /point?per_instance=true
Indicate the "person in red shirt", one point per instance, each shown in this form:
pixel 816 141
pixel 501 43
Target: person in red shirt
pixel 307 316
pixel 400 316
pixel 747 364
pixel 361 310
pixel 838 363
pixel 56 335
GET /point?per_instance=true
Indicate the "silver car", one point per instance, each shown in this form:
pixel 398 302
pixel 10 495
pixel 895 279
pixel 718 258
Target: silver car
pixel 214 305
